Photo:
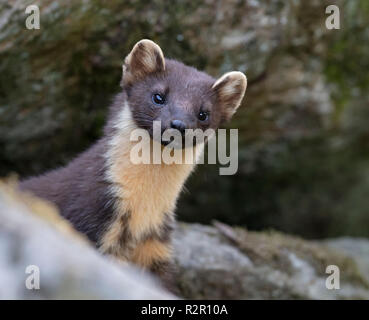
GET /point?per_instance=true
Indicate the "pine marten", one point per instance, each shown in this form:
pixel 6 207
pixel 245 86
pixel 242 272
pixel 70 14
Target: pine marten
pixel 126 209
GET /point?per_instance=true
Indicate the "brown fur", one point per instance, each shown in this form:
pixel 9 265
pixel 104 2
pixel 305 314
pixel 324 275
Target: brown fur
pixel 127 209
pixel 151 251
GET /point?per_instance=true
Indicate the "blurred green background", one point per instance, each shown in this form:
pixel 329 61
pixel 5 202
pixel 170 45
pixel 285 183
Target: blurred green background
pixel 303 126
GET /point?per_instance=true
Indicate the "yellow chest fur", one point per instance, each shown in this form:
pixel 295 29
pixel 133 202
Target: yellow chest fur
pixel 147 193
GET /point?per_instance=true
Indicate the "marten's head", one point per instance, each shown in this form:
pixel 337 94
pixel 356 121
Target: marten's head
pixel 179 96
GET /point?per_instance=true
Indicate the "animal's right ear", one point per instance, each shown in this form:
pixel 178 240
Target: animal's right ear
pixel 230 89
pixel 145 58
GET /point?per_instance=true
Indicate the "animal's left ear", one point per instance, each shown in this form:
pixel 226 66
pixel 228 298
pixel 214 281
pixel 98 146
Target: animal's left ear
pixel 230 89
pixel 145 58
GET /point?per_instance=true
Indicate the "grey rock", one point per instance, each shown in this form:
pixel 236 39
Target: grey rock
pixel 357 248
pixel 213 262
pixel 232 263
pixel 32 234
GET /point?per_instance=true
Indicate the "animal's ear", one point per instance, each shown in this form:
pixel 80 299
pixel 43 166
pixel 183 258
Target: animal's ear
pixel 145 58
pixel 230 89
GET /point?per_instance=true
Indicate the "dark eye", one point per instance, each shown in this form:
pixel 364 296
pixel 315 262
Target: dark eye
pixel 203 115
pixel 157 98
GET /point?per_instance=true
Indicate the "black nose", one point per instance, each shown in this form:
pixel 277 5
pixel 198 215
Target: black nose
pixel 179 125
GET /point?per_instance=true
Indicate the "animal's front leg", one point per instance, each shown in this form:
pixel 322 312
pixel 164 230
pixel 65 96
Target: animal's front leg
pixel 167 273
pixel 156 256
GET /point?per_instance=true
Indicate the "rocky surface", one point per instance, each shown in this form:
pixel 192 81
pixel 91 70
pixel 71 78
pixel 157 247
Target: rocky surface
pixel 356 248
pixel 32 234
pixel 216 262
pixel 303 125
pixel 232 263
